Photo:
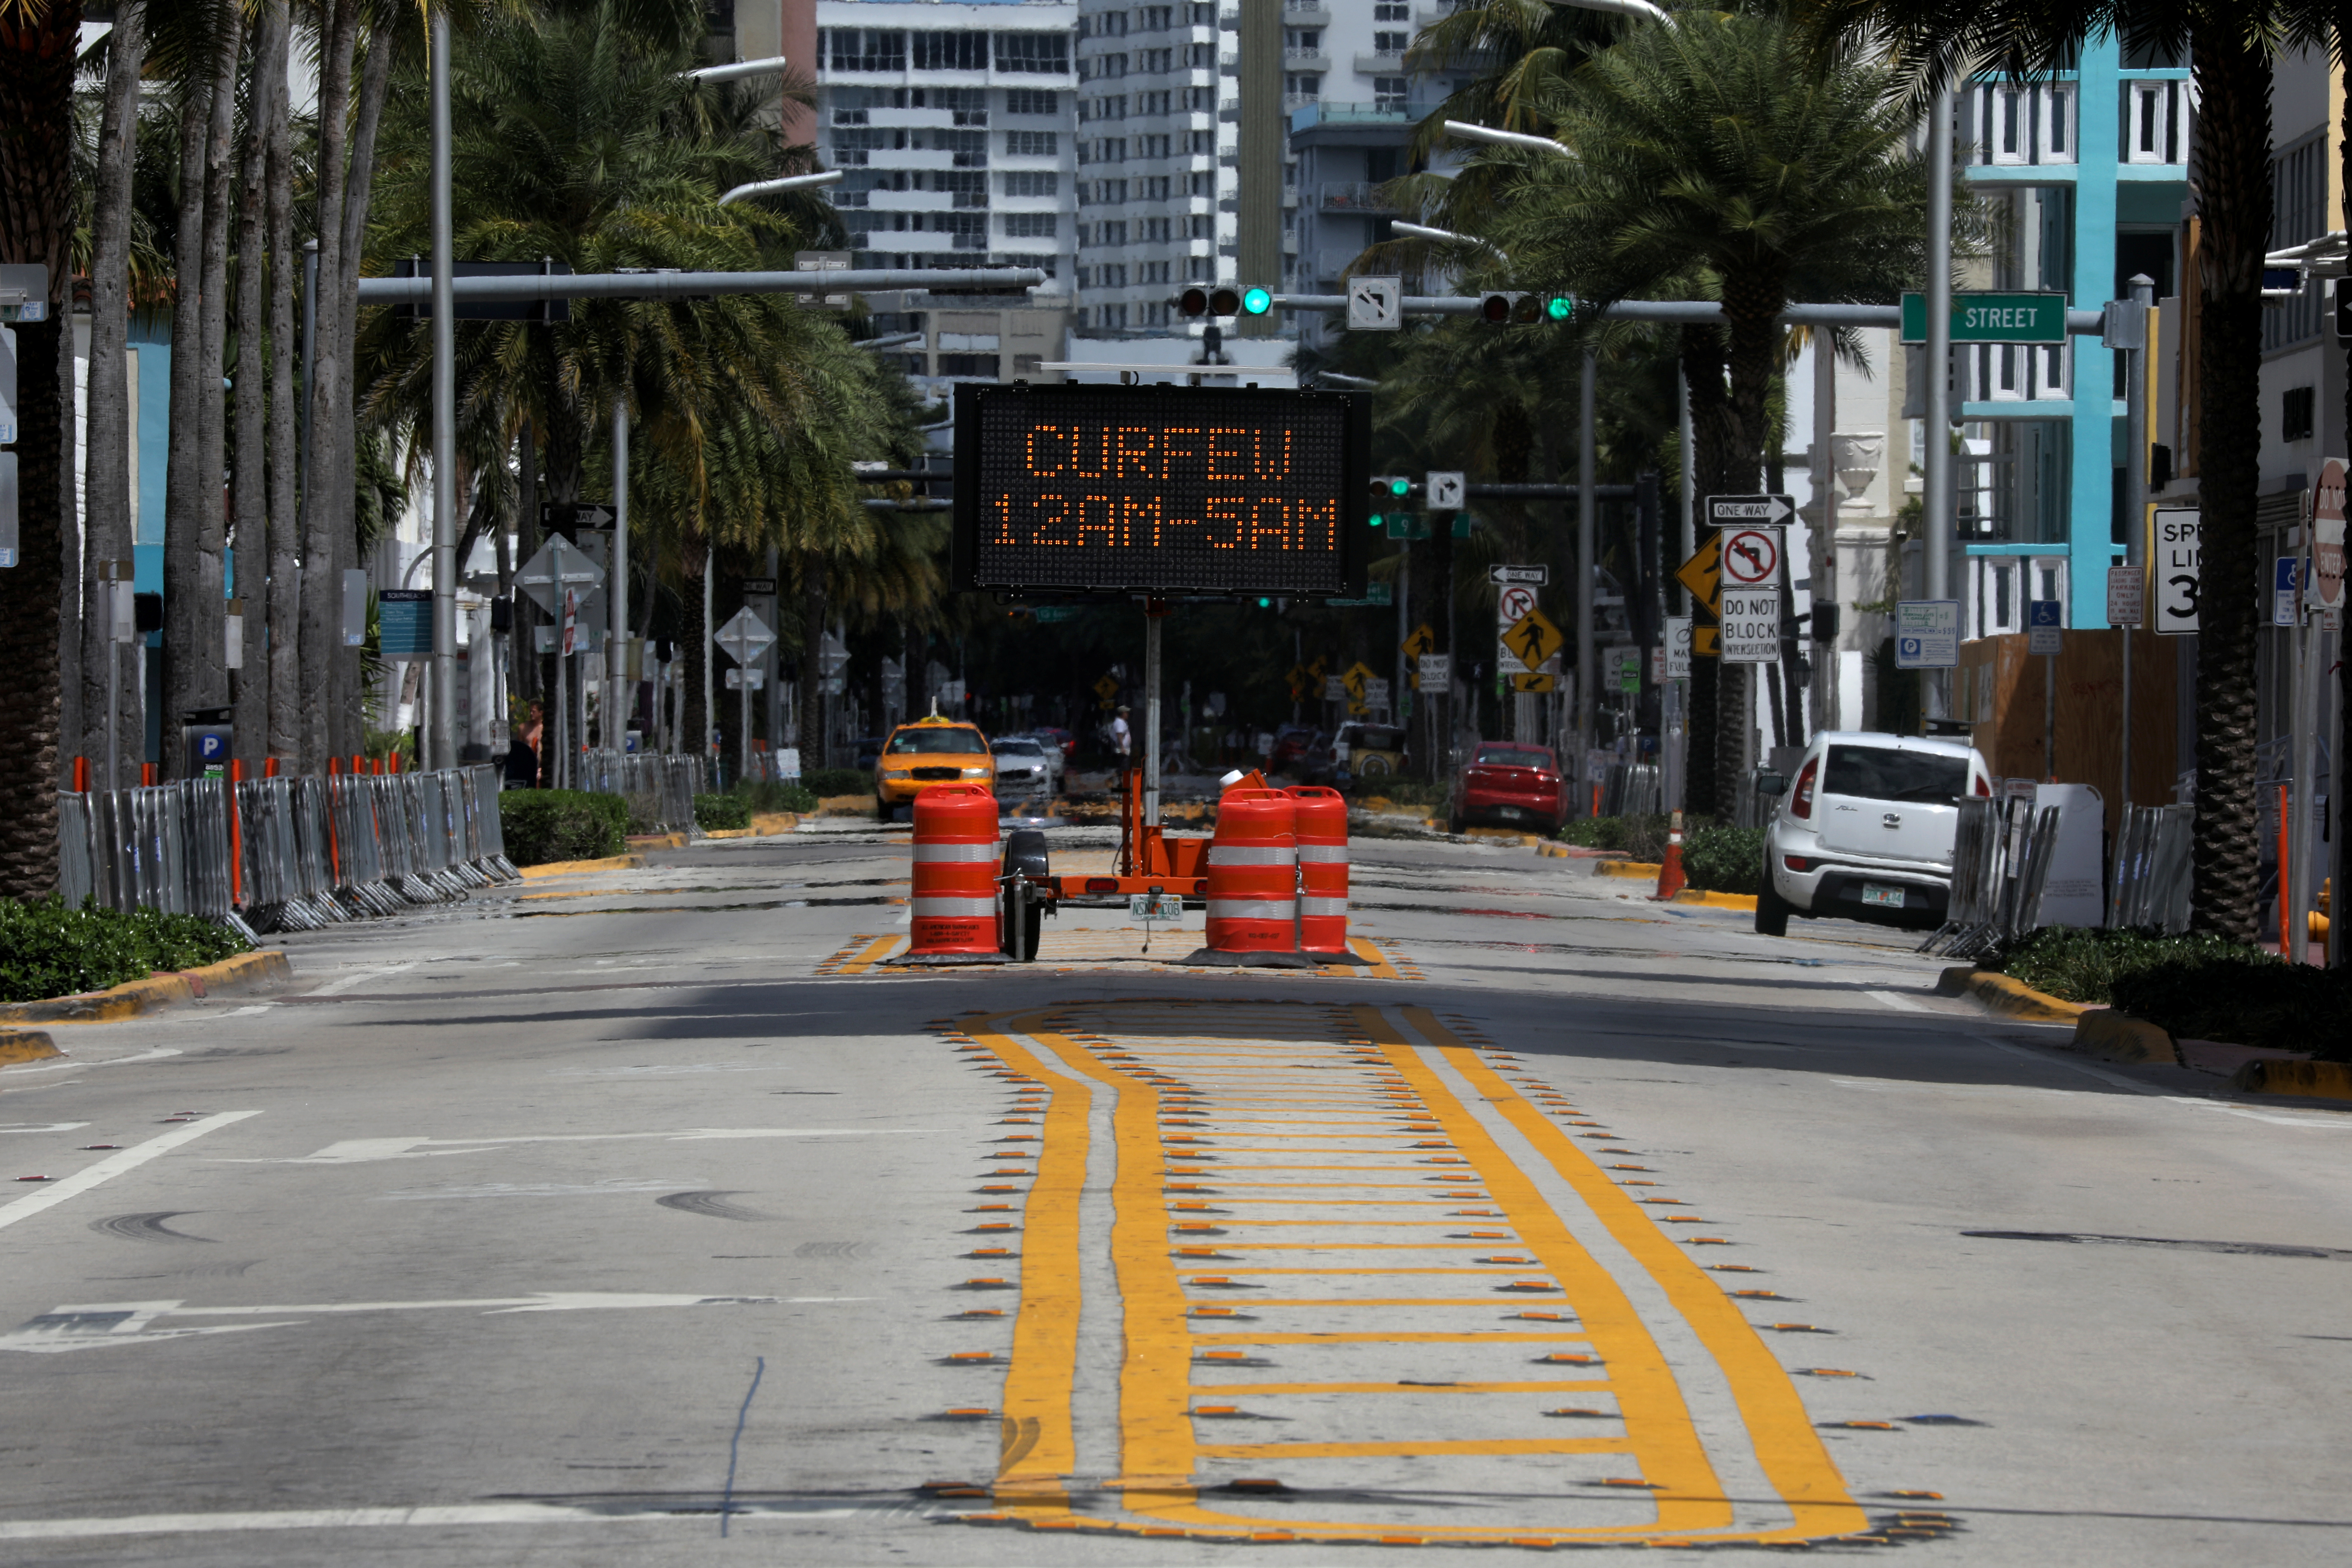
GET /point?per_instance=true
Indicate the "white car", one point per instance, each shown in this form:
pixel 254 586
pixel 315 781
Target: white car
pixel 1864 830
pixel 1024 766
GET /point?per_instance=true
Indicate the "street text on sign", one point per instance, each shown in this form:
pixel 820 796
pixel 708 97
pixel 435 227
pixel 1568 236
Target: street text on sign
pixel 1750 557
pixel 2127 596
pixel 1759 512
pixel 2287 590
pixel 1436 671
pixel 1533 576
pixel 1448 492
pixel 1375 304
pixel 2327 535
pixel 1979 317
pixel 2044 627
pixel 1751 625
pixel 2176 569
pixel 1927 634
pixel 1678 648
pixel 1335 690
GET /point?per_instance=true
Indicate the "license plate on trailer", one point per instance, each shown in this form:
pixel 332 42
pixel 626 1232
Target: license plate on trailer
pixel 1154 907
pixel 1889 898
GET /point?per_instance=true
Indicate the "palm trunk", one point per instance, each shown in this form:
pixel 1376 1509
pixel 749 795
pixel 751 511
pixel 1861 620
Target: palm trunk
pixel 694 643
pixel 250 481
pixel 212 417
pixel 37 223
pixel 185 665
pixel 284 670
pixel 1716 695
pixel 327 491
pixel 106 505
pixel 811 714
pixel 2235 192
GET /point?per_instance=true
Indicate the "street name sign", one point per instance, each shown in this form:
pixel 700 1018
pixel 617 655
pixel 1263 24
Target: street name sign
pixel 2036 318
pixel 1927 634
pixel 1186 489
pixel 2178 569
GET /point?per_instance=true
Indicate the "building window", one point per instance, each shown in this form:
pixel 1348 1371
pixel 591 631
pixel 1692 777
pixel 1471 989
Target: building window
pixel 969 365
pixel 1388 43
pixel 1305 85
pixel 1200 100
pixel 1201 225
pixel 1103 24
pixel 1111 150
pixel 1389 12
pixel 2297 410
pixel 1152 231
pixel 951 51
pixel 1151 61
pixel 1151 103
pixel 1028 101
pixel 1203 183
pixel 1108 67
pixel 2298 213
pixel 1032 143
pixel 1308 38
pixel 1032 225
pixel 1111 318
pixel 868 49
pixel 1113 232
pixel 1151 146
pixel 1204 57
pixel 1042 54
pixel 1039 183
pixel 1156 18
pixel 1388 93
pixel 1201 269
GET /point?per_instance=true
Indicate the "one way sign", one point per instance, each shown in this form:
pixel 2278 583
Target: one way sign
pixel 1731 511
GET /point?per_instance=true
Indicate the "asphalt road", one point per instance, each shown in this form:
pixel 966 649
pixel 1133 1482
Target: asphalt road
pixel 655 1217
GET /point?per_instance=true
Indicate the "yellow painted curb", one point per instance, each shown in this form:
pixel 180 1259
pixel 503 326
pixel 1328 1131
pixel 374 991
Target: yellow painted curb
pixel 26 1046
pixel 2315 1080
pixel 656 841
pixel 1716 901
pixel 133 997
pixel 766 825
pixel 2001 993
pixel 574 867
pixel 1510 835
pixel 1643 869
pixel 2120 1037
pixel 847 806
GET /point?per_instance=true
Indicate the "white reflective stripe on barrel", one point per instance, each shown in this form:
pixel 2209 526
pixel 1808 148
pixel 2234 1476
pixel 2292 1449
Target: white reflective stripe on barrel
pixel 957 853
pixel 953 909
pixel 1311 905
pixel 1252 855
pixel 1251 910
pixel 1323 852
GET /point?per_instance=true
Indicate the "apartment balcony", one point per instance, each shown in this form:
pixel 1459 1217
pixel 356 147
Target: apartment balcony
pixel 1311 112
pixel 1304 60
pixel 1306 14
pixel 1381 65
pixel 1361 196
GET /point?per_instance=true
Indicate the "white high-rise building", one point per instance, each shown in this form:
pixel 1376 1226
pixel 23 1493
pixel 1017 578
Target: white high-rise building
pixel 1158 130
pixel 954 127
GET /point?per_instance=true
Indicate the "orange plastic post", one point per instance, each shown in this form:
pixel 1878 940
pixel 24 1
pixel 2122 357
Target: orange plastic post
pixel 147 771
pixel 392 764
pixel 335 765
pixel 235 835
pixel 270 767
pixel 81 775
pixel 2287 949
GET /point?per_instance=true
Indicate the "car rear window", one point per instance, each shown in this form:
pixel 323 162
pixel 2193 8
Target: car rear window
pixel 1511 757
pixel 935 740
pixel 1881 772
pixel 1373 738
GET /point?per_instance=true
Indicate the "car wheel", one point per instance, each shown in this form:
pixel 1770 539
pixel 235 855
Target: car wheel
pixel 1772 910
pixel 1373 767
pixel 1455 826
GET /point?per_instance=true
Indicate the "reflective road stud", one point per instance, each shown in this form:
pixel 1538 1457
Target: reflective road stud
pixel 1252 874
pixel 955 912
pixel 1321 830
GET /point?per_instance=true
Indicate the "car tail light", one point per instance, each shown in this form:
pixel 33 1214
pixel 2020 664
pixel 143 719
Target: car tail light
pixel 1984 786
pixel 1797 862
pixel 1800 802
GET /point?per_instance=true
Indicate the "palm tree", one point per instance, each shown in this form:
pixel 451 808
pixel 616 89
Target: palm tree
pixel 2231 44
pixel 106 523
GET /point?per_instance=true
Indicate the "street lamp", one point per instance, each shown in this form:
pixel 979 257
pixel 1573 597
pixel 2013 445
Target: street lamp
pixel 737 70
pixel 1421 231
pixel 1467 132
pixel 789 183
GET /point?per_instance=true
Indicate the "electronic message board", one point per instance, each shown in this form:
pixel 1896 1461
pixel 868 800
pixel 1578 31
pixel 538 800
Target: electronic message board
pixel 1160 490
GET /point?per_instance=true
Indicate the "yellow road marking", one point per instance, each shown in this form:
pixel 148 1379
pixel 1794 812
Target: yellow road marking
pixel 871 955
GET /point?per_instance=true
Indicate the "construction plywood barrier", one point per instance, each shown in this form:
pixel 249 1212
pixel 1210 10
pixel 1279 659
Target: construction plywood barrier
pixel 2000 688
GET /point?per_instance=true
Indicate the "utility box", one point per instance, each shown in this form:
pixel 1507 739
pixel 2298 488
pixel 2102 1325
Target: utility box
pixel 205 734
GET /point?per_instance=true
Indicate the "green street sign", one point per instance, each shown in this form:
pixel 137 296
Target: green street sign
pixel 1992 318
pixel 1408 525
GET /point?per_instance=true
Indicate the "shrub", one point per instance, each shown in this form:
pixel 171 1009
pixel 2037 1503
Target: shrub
pixel 548 825
pixel 713 812
pixel 825 781
pixel 1642 837
pixel 1724 860
pixel 768 794
pixel 2200 988
pixel 2079 965
pixel 47 950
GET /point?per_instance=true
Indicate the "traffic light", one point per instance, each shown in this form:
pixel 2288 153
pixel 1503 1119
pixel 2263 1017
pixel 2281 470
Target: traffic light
pixel 1197 302
pixel 1256 302
pixel 1388 489
pixel 1497 310
pixel 1518 308
pixel 1559 307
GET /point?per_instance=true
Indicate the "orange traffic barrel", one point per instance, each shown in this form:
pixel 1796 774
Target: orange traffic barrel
pixel 1254 873
pixel 1322 834
pixel 955 872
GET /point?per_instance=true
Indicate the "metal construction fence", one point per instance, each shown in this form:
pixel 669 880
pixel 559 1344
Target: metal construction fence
pixel 2150 889
pixel 659 787
pixel 1632 789
pixel 291 853
pixel 2001 853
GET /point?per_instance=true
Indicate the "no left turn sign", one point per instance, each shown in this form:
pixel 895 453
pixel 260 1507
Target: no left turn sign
pixel 1751 557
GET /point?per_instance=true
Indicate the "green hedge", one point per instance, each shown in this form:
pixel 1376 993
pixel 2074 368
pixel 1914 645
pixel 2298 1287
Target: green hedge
pixel 1642 837
pixel 548 825
pixel 823 781
pixel 713 812
pixel 768 794
pixel 2194 987
pixel 1724 860
pixel 47 950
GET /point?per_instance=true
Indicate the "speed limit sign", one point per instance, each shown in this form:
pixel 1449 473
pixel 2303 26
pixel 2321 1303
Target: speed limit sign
pixel 2176 571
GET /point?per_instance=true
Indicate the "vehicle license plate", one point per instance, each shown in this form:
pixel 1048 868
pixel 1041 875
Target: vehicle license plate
pixel 1511 811
pixel 1890 897
pixel 1154 907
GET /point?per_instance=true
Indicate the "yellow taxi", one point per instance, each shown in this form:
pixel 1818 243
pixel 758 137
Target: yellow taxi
pixel 932 750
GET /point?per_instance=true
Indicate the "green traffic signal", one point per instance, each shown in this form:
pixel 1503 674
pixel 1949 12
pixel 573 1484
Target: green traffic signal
pixel 1256 302
pixel 1560 307
pixel 1378 520
pixel 1266 603
pixel 1400 487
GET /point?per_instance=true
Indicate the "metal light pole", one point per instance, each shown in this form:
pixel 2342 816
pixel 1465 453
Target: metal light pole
pixel 1154 612
pixel 1937 481
pixel 1585 506
pixel 619 687
pixel 443 750
pixel 2143 299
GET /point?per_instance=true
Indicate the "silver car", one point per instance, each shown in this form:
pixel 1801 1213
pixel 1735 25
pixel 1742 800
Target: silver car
pixel 1864 830
pixel 1024 767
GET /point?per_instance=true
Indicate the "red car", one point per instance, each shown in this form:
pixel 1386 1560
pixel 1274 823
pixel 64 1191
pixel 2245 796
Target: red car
pixel 1512 784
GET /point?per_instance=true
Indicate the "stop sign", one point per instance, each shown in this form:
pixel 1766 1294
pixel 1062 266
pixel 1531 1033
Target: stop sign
pixel 2328 534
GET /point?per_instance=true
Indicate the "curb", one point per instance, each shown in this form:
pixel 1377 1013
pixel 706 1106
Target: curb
pixel 1645 870
pixel 2314 1080
pixel 574 867
pixel 2120 1037
pixel 1553 849
pixel 246 972
pixel 767 825
pixel 1716 900
pixel 637 841
pixel 2001 993
pixel 26 1046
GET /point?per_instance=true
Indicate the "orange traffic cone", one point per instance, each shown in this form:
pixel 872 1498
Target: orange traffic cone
pixel 1670 874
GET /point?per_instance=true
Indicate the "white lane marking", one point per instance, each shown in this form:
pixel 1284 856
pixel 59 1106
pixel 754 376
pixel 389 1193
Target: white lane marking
pixel 113 1165
pixel 159 1052
pixel 41 1126
pixel 1900 1003
pixel 337 987
pixel 546 1189
pixel 361 1150
pixel 373 1518
pixel 246 1012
